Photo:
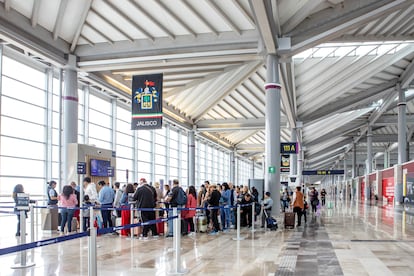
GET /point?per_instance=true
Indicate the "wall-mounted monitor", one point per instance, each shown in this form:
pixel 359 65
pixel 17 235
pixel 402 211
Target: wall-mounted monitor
pixel 99 167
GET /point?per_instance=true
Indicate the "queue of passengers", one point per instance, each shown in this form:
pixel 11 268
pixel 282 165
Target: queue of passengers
pixel 216 203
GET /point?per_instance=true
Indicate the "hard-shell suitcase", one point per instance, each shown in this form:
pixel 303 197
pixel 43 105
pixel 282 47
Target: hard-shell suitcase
pixel 74 225
pixel 289 220
pixel 160 228
pixel 201 223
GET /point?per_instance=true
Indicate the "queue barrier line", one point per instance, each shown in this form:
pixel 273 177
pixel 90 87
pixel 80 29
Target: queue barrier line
pixel 128 226
pixel 21 247
pixel 18 248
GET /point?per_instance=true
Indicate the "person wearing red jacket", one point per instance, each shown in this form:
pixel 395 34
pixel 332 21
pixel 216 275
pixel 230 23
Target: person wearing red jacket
pixel 188 215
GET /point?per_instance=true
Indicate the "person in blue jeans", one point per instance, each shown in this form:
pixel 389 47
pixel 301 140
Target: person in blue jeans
pixel 67 199
pixel 225 215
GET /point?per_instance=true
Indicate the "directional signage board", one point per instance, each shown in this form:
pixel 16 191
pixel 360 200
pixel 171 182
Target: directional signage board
pixel 81 166
pixel 323 172
pixel 288 148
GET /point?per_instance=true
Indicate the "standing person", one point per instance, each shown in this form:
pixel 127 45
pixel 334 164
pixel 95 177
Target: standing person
pixel 323 197
pixel 167 191
pixel 106 198
pixel 159 200
pixel 246 211
pixel 313 198
pixel 214 202
pixel 285 199
pixel 52 201
pixel 90 190
pixel 188 215
pixel 146 196
pixel 117 199
pixel 225 211
pixel 171 198
pixel 126 212
pixel 17 189
pixel 298 204
pixel 267 204
pixel 77 194
pixel 68 200
pixel 52 194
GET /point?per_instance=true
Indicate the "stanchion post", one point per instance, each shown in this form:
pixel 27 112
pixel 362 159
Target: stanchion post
pixel 177 242
pixel 23 263
pixel 131 220
pixel 253 210
pixel 92 268
pixel 238 238
pixel 31 224
pixel 37 219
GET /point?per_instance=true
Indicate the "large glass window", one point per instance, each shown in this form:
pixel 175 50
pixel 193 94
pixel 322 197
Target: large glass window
pixel 23 129
pixel 27 124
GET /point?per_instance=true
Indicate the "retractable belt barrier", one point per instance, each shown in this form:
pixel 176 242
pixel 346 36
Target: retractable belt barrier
pixel 176 241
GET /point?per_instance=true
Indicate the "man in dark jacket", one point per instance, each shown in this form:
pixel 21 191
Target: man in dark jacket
pixel 171 199
pixel 145 197
pixel 214 201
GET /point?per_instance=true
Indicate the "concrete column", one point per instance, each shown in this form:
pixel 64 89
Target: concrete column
pixel 272 149
pixel 233 167
pixel 354 167
pixel 70 107
pixel 369 162
pixel 398 182
pixel 379 184
pixel 191 158
pixel 345 170
pixel 358 189
pixel 402 125
pixel 293 157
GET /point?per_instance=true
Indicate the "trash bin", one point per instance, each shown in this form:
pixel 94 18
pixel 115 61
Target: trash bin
pixel 50 218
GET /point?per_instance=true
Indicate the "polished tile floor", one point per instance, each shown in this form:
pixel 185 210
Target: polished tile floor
pixel 350 239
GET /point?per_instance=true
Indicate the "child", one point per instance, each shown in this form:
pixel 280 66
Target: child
pixel 86 212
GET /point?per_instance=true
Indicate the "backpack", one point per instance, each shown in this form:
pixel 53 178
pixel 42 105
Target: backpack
pixel 181 197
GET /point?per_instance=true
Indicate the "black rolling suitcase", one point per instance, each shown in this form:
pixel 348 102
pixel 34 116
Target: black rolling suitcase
pixel 289 220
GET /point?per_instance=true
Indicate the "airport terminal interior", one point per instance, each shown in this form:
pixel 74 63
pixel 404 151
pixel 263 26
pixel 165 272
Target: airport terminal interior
pixel 310 93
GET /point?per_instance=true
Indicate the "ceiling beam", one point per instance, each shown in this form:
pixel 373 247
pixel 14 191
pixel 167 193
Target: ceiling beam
pixel 357 101
pixel 59 19
pixel 407 76
pixel 262 11
pixel 183 45
pixel 201 17
pixel 35 12
pixel 177 18
pixel 81 23
pixel 336 27
pixel 229 86
pixel 137 26
pixel 224 16
pixel 17 30
pixel 301 14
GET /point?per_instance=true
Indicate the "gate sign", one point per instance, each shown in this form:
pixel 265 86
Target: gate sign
pixel 288 148
pixel 323 172
pixel 81 167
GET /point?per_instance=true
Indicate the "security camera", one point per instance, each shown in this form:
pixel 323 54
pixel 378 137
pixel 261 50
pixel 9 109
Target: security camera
pixel 99 151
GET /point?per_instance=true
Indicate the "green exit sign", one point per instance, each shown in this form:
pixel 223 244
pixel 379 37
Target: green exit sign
pixel 272 169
